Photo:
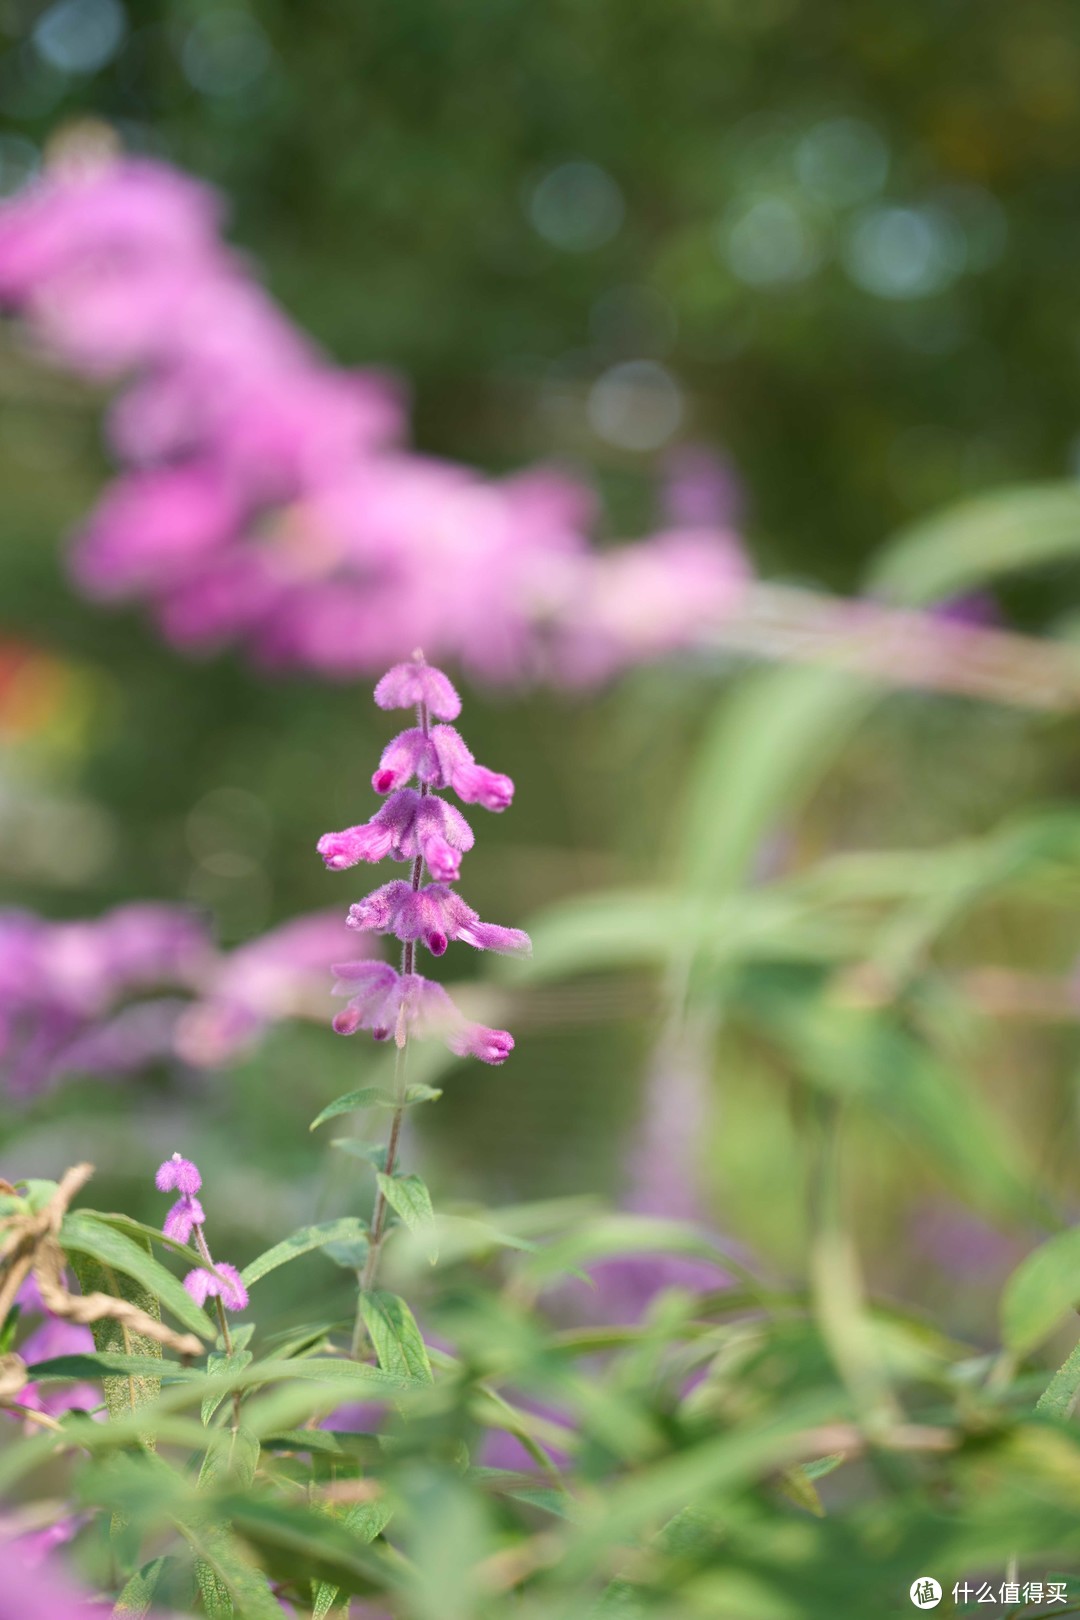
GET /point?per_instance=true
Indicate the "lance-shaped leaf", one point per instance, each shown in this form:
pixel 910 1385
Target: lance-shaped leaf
pixel 346 1230
pixel 398 1342
pixel 409 1198
pixel 1041 1290
pixel 124 1391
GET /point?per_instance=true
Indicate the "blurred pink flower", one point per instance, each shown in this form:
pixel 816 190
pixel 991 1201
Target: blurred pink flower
pixel 265 502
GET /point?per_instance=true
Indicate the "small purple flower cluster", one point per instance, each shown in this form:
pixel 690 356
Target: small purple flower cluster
pixel 416 825
pixel 215 1279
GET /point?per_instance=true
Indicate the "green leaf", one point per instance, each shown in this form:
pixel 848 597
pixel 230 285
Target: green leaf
pixel 419 1094
pixel 799 1488
pixel 346 1230
pixel 81 1233
pixel 219 1362
pixel 138 1594
pixel 409 1197
pixel 371 1152
pixel 104 1364
pixel 96 1274
pixel 139 1230
pixel 978 540
pixel 1059 1396
pixel 398 1342
pixel 1041 1290
pixel 366 1097
pixel 228 1584
pixel 365 1520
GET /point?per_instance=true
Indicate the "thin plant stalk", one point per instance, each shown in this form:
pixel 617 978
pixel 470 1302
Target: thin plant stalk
pixel 368 1276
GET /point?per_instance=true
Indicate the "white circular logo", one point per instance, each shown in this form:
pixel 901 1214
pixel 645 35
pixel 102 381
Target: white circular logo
pixel 925 1593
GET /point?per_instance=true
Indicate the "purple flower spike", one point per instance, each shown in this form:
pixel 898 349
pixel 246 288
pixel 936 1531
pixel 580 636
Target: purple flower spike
pixel 418 825
pixel 178 1175
pixel 185 1215
pixel 408 685
pixel 223 1283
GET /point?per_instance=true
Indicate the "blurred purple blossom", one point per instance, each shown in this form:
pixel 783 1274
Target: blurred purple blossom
pixel 265 497
pixel 87 997
pixel 36 1590
pixel 50 1337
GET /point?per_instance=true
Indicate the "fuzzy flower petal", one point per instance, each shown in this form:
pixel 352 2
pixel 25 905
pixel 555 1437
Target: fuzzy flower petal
pixel 408 685
pixel 476 1040
pixel 435 914
pixel 475 784
pixel 411 753
pixel 390 831
pixel 379 911
pixel 223 1282
pixel 441 834
pixel 185 1215
pixel 374 991
pixel 491 937
pixel 424 1007
pixel 178 1175
pixel 458 769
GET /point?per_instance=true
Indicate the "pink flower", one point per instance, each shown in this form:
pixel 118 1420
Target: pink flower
pixel 178 1175
pixel 391 1003
pixel 223 1282
pixel 441 760
pixel 434 914
pixel 153 527
pixel 407 825
pixel 409 685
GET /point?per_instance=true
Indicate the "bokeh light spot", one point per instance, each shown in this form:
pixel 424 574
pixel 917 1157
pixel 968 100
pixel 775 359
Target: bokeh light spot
pixel 576 207
pixel 80 36
pixel 637 405
pixel 769 241
pixel 225 52
pixel 842 161
pixel 905 252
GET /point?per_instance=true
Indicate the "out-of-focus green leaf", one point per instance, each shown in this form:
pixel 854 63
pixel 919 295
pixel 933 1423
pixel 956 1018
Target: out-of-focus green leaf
pixel 81 1233
pixel 346 1230
pixel 979 540
pixel 1040 1291
pixel 365 1520
pixel 409 1197
pixel 1059 1396
pixel 399 1344
pixel 228 1583
pixel 219 1361
pixel 138 1594
pixel 100 1364
pixel 769 744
